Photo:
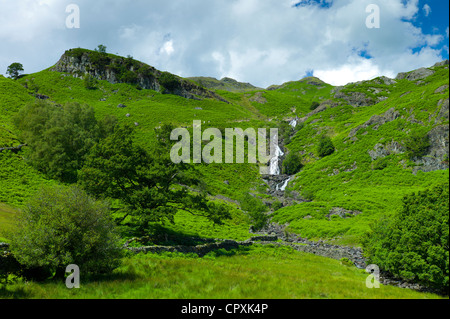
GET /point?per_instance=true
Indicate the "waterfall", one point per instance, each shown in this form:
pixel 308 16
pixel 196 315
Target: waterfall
pixel 293 123
pixel 283 187
pixel 274 168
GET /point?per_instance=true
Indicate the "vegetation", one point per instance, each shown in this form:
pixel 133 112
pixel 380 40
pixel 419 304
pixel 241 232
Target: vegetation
pixel 325 146
pixel 59 137
pixel 63 226
pixel 120 154
pixel 14 70
pixel 414 243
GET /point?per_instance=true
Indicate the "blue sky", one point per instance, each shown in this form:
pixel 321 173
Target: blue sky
pixel 263 42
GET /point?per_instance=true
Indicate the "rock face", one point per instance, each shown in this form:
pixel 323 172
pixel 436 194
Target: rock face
pixel 418 74
pixel 436 157
pixel 114 69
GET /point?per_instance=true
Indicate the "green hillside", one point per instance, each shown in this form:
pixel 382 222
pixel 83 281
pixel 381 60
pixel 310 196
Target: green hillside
pixel 333 198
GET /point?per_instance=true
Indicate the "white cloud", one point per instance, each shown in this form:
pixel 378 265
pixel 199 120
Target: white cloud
pixel 426 10
pixel 261 42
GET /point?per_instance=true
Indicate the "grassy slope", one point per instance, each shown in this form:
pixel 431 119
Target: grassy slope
pixel 372 192
pixel 258 272
pixel 346 179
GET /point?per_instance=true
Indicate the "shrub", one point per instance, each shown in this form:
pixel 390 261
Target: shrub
pixel 292 164
pixel 325 146
pixel 63 226
pixel 314 105
pixel 414 244
pixel 169 81
pixel 256 211
pixel 417 144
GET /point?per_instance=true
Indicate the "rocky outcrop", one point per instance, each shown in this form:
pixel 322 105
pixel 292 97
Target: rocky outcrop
pixel 356 99
pixel 418 74
pixel 377 120
pixel 114 69
pixel 436 157
pixel 381 151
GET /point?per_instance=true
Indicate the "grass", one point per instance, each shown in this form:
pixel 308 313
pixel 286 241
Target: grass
pixel 257 273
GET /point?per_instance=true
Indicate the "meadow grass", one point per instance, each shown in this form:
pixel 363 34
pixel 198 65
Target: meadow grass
pixel 257 273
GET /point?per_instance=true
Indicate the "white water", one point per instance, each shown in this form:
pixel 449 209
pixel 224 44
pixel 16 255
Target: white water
pixel 274 168
pixel 293 123
pixel 283 187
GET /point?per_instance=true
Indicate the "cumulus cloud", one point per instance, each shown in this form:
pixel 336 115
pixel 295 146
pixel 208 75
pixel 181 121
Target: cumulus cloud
pixel 261 42
pixel 426 10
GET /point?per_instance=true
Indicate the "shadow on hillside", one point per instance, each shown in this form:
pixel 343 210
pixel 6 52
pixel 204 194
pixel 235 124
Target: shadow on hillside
pixel 157 234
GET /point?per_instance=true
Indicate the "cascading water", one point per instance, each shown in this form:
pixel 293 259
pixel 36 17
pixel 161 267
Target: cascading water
pixel 274 168
pixel 293 123
pixel 283 185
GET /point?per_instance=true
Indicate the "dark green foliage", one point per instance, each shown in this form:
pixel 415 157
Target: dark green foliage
pixel 380 164
pixel 325 146
pixel 277 205
pixel 169 81
pixel 59 137
pixel 14 70
pixel 101 48
pixel 292 164
pixel 256 211
pixel 63 226
pixel 147 183
pixel 314 105
pixel 90 82
pixel 414 244
pixel 417 144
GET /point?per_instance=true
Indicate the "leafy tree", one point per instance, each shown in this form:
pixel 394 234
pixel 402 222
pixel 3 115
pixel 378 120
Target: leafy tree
pixel 256 211
pixel 325 146
pixel 14 70
pixel 101 48
pixel 149 185
pixel 292 164
pixel 62 226
pixel 59 137
pixel 414 243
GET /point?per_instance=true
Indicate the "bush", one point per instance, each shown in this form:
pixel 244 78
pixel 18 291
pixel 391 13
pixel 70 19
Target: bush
pixel 325 146
pixel 417 144
pixel 169 81
pixel 414 244
pixel 256 211
pixel 314 105
pixel 292 164
pixel 90 82
pixel 63 226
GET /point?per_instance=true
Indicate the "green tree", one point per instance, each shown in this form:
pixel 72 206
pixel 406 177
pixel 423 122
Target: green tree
pixel 14 70
pixel 414 243
pixel 292 164
pixel 149 185
pixel 325 146
pixel 169 81
pixel 59 138
pixel 62 226
pixel 101 48
pixel 256 210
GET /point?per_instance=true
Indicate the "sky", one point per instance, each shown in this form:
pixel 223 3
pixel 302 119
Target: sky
pixel 262 42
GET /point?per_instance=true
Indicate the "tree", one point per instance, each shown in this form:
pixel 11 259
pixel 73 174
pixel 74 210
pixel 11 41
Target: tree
pixel 90 82
pixel 101 48
pixel 325 146
pixel 256 211
pixel 292 164
pixel 149 185
pixel 59 137
pixel 62 226
pixel 414 243
pixel 14 70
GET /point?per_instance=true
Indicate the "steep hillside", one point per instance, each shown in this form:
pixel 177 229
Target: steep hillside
pixel 225 84
pixel 337 196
